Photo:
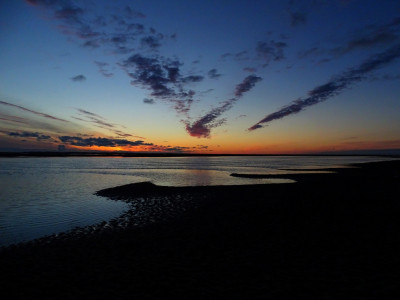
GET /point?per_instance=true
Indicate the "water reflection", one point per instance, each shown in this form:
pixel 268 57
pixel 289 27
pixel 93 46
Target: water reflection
pixel 201 177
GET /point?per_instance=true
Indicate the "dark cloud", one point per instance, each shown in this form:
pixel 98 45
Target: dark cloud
pixel 32 111
pixel 298 18
pixel 310 52
pixel 366 41
pixel 151 41
pixel 117 29
pixel 101 142
pixel 151 73
pixel 192 78
pixel 386 77
pixel 148 101
pixel 250 69
pixel 25 134
pixel 133 13
pixel 163 78
pixel 368 37
pixel 248 83
pixel 242 55
pixel 42 2
pixel 88 113
pixel 270 51
pixel 136 28
pixel 226 55
pixel 120 133
pixel 238 56
pixel 11 120
pixel 100 122
pixel 80 119
pixel 203 93
pixel 91 44
pixel 202 127
pixel 78 78
pixel 72 14
pixel 183 106
pixel 213 74
pixel 333 87
pixel 119 33
pixel 177 149
pixel 103 68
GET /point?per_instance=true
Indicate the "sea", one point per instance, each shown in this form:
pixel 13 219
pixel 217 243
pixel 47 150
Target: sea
pixel 41 196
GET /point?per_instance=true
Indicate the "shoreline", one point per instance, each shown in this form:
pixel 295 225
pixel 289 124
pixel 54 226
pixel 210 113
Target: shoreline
pixel 327 235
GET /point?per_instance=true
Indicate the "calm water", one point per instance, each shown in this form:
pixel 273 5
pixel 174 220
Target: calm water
pixel 42 196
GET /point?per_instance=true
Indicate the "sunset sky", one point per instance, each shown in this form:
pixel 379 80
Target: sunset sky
pixel 278 76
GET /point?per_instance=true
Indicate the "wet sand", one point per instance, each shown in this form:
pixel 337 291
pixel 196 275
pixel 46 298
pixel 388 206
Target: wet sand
pixel 328 236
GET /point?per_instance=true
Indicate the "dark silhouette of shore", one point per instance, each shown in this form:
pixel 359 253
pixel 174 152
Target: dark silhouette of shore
pixel 327 236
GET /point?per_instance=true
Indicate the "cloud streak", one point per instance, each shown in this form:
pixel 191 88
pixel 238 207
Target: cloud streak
pixel 368 37
pixel 376 35
pixel 32 111
pixel 202 127
pixel 333 87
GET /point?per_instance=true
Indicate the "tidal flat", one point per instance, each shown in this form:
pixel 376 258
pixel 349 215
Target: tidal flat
pixel 333 235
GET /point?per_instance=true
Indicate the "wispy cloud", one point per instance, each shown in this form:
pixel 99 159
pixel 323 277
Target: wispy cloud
pixel 383 35
pixel 88 113
pixel 333 87
pixel 213 74
pixel 32 111
pixel 103 68
pixel 133 13
pixel 13 119
pixel 298 18
pixel 101 122
pixel 250 69
pixel 202 127
pixel 365 38
pixel 270 50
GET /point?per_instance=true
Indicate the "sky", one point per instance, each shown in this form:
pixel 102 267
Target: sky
pixel 245 77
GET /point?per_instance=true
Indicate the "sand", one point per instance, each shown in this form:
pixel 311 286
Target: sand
pixel 328 236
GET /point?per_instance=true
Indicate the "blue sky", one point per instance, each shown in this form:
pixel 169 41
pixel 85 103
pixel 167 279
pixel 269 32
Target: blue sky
pixel 200 76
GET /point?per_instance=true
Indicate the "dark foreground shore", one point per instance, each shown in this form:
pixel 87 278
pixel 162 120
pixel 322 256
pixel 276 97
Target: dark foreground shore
pixel 328 236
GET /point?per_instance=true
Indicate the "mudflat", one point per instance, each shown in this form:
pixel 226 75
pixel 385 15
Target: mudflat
pixel 327 236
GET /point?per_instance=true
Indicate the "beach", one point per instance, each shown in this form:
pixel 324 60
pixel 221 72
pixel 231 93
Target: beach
pixel 328 236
